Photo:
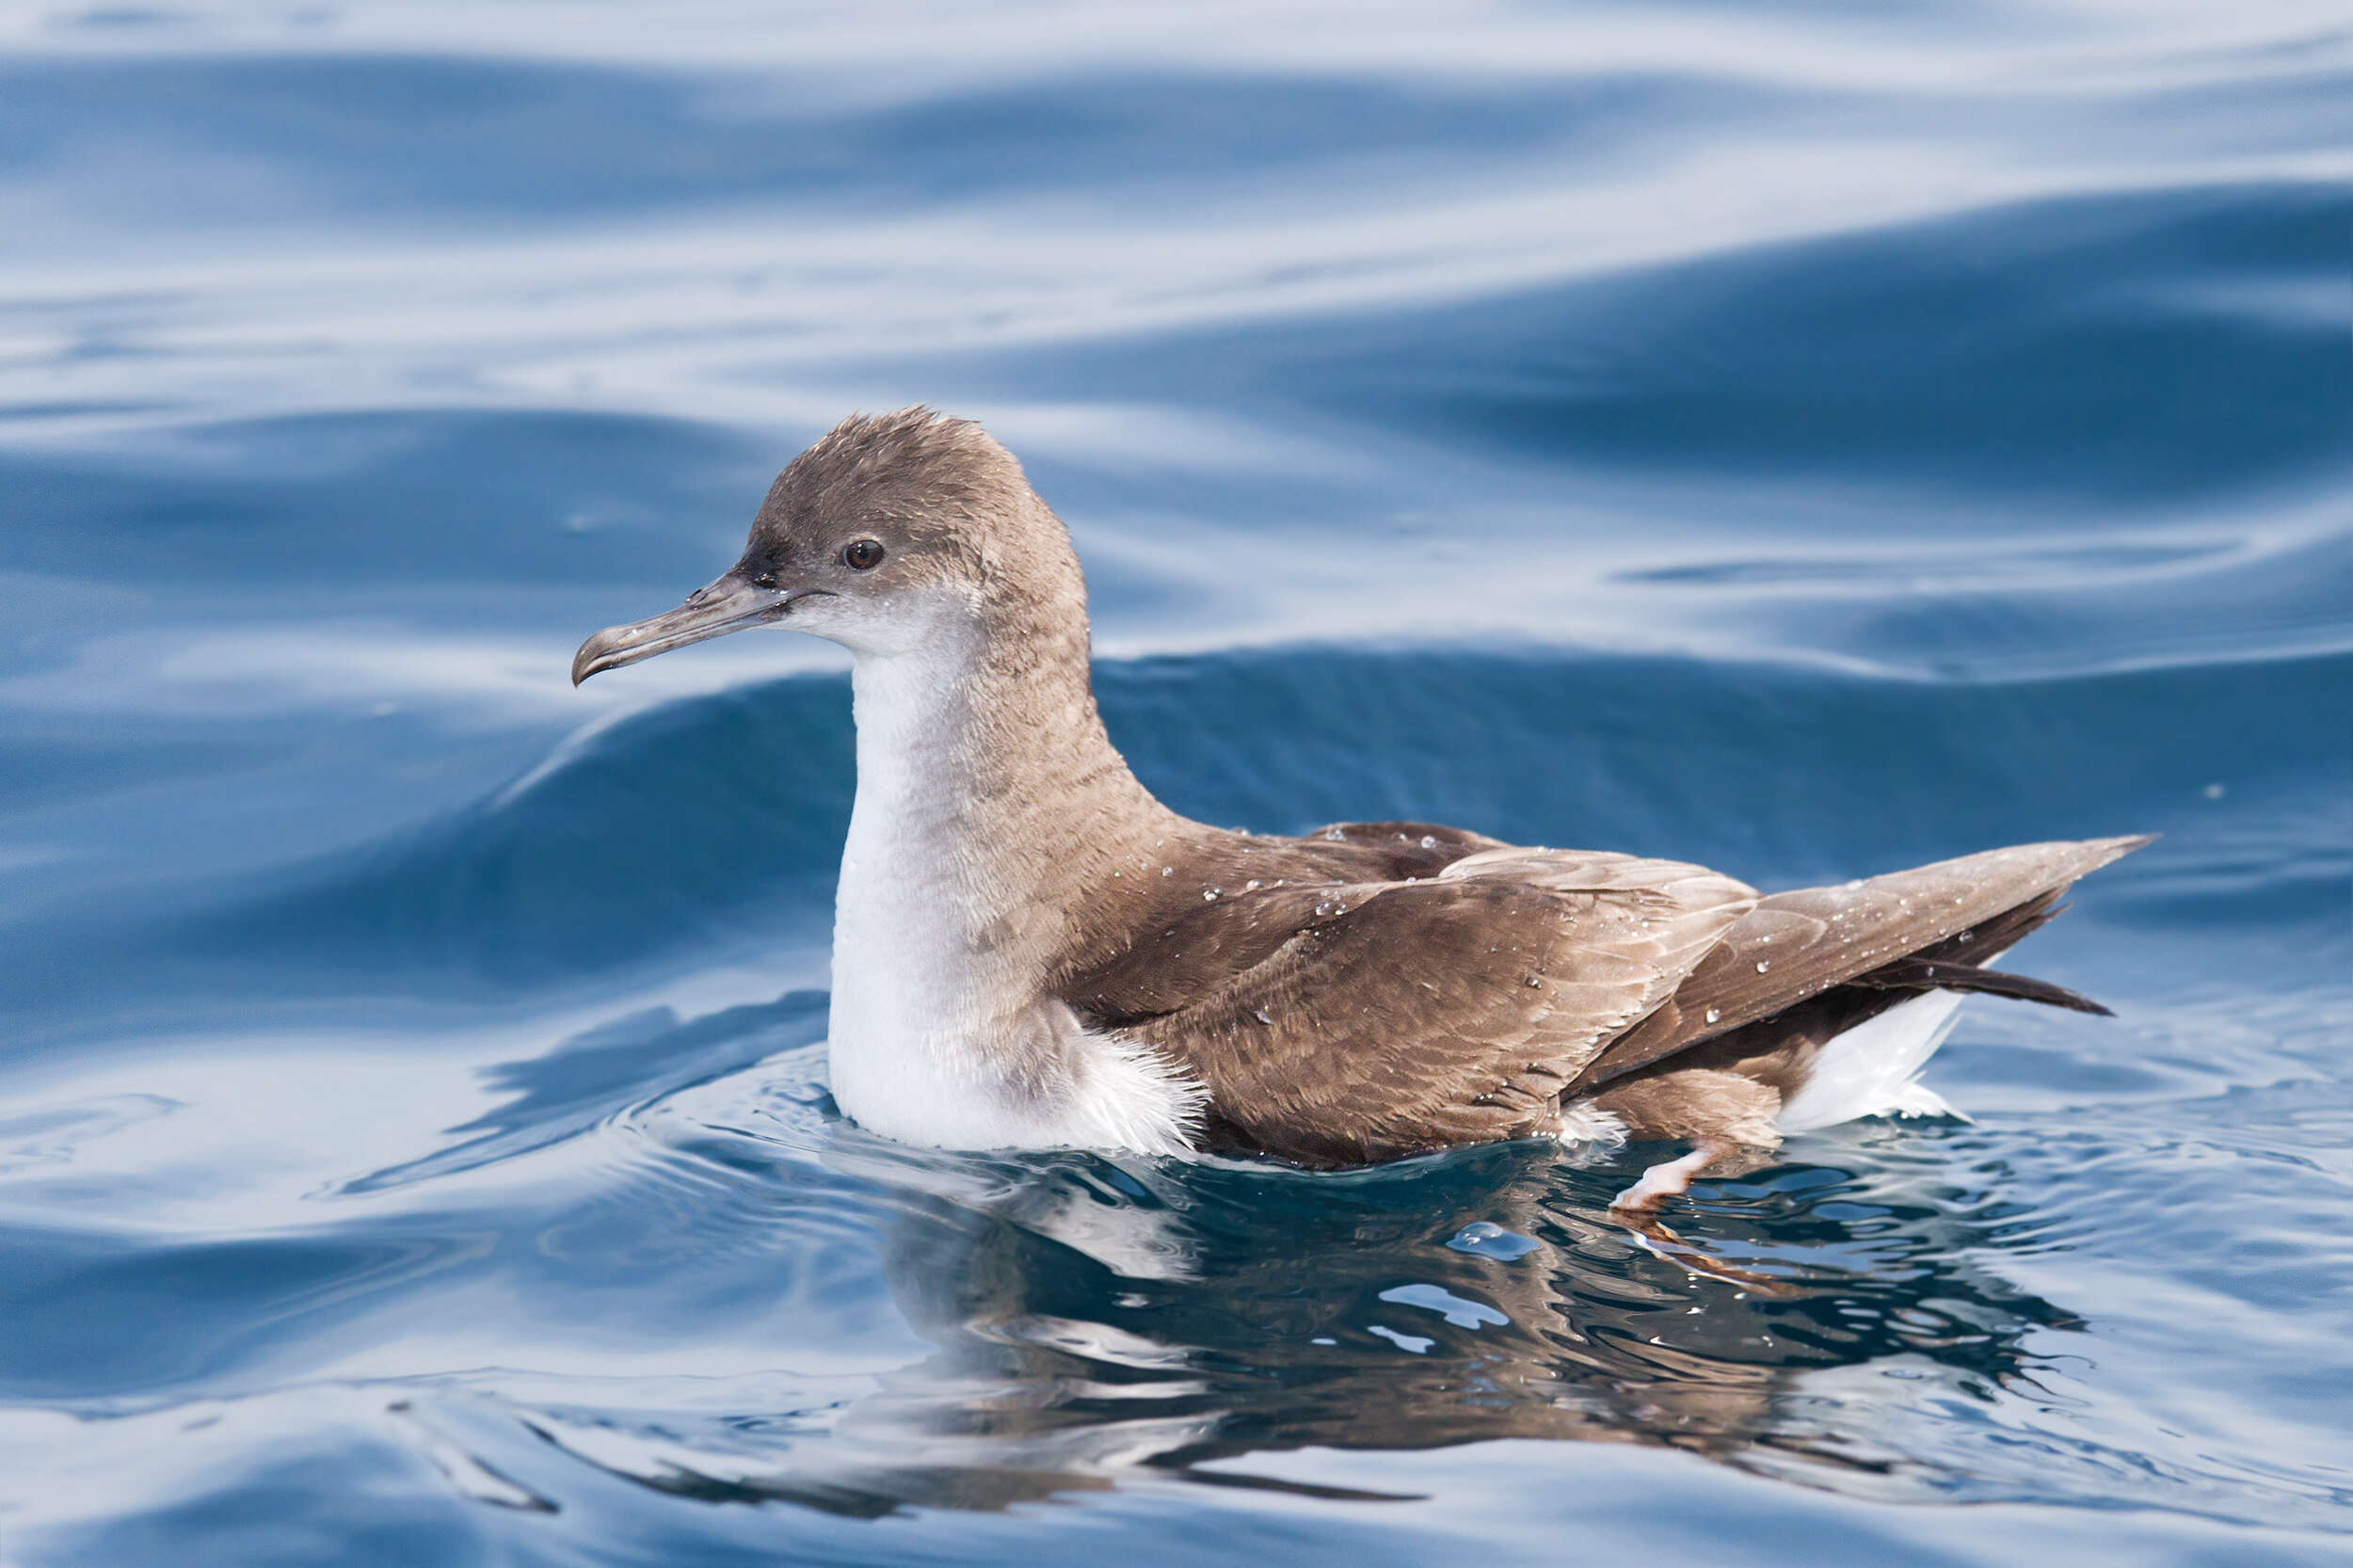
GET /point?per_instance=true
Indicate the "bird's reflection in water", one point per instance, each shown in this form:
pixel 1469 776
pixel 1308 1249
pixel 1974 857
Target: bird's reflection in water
pixel 1095 1320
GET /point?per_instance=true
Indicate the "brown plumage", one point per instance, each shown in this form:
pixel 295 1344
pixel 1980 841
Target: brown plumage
pixel 1031 949
pixel 1386 999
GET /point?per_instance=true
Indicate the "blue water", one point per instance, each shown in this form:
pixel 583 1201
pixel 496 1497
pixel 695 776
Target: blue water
pixel 1804 437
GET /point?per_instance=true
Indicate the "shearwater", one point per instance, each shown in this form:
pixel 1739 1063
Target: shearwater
pixel 1031 950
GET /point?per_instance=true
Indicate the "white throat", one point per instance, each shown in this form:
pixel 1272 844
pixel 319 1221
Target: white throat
pixel 940 1030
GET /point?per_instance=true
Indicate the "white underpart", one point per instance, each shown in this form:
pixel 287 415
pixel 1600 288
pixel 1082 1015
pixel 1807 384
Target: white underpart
pixel 1871 1069
pixel 920 1028
pixel 1582 1123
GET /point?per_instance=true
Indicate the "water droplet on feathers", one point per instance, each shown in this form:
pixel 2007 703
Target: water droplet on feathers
pixel 1764 964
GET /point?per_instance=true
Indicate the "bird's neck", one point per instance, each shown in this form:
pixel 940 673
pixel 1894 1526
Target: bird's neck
pixel 985 778
pixel 991 813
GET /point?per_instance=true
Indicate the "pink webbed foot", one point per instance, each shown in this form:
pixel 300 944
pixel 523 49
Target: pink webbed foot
pixel 1670 1179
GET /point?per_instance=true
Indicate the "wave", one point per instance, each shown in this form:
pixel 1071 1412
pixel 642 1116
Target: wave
pixel 2062 351
pixel 708 830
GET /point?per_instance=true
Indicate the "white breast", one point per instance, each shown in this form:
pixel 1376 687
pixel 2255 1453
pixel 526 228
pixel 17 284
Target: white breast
pixel 935 1035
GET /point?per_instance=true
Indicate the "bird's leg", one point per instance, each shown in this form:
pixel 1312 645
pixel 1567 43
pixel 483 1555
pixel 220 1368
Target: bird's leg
pixel 1653 1237
pixel 1673 1178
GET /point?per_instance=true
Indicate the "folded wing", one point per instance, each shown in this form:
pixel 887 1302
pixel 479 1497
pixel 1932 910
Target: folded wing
pixel 1401 1017
pixel 1794 946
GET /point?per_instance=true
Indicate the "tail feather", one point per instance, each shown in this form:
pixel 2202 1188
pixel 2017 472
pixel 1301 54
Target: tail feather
pixel 1924 974
pixel 1958 963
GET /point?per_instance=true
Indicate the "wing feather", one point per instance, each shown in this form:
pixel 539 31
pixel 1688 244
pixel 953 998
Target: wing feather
pixel 1798 944
pixel 1449 1010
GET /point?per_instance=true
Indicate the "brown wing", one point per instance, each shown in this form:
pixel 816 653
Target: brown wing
pixel 1797 945
pixel 1403 1017
pixel 1180 948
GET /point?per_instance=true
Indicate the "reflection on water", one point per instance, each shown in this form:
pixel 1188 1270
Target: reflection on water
pixel 1805 438
pixel 1093 1319
pixel 1101 1319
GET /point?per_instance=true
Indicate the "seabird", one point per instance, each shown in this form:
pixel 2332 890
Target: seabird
pixel 1031 950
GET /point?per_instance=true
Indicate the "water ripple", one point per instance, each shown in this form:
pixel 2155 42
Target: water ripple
pixel 1801 438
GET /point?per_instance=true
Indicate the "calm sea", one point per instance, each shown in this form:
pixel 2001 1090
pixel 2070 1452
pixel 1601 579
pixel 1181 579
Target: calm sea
pixel 1802 437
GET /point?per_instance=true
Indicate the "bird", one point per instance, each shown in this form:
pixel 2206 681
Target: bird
pixel 1032 951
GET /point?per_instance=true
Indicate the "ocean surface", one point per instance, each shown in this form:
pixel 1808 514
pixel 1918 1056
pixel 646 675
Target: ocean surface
pixel 1802 437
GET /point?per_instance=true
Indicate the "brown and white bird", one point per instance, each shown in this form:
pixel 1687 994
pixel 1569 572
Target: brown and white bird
pixel 1031 950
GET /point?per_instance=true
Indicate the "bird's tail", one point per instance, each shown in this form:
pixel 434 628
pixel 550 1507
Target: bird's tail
pixel 1895 1016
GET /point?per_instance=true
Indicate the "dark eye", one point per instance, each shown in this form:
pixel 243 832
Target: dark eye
pixel 862 555
pixel 764 580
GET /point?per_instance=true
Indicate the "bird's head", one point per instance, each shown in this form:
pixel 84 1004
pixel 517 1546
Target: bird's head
pixel 892 534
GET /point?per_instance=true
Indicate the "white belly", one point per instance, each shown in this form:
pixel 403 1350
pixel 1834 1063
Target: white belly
pixel 926 1047
pixel 942 1087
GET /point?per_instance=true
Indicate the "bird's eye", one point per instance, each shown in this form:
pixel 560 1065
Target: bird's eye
pixel 862 555
pixel 764 580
